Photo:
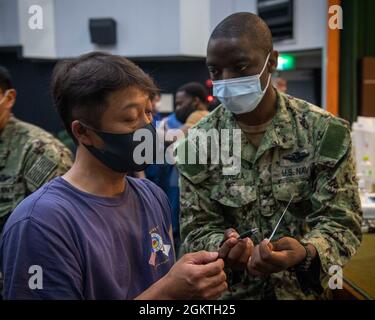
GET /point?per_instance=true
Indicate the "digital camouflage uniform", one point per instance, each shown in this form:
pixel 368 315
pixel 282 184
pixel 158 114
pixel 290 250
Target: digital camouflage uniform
pixel 305 152
pixel 29 157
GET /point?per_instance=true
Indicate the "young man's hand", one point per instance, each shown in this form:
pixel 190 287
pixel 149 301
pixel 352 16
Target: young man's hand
pixel 198 275
pixel 274 257
pixel 234 252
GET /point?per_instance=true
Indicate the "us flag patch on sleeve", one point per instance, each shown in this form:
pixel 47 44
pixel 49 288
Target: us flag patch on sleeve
pixel 40 171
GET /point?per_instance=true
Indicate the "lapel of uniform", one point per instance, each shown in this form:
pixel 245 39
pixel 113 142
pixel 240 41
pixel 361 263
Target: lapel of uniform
pixel 281 132
pixel 247 149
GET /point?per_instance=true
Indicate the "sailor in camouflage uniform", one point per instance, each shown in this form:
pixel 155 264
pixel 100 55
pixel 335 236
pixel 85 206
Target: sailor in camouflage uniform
pixel 303 157
pixel 29 156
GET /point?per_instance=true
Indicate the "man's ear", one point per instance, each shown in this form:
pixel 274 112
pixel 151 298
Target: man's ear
pixel 81 133
pixel 273 61
pixel 10 99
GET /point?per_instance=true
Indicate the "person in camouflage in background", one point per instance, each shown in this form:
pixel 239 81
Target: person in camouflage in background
pixel 29 156
pixel 291 151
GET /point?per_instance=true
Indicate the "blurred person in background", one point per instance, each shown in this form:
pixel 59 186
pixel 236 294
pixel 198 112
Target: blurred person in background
pixel 191 107
pixel 191 104
pixel 29 156
pixel 156 103
pixel 280 84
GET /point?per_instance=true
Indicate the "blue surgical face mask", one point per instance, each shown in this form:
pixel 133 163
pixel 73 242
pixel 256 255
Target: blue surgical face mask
pixel 241 95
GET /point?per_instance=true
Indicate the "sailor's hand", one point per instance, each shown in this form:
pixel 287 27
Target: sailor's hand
pixel 274 257
pixel 235 252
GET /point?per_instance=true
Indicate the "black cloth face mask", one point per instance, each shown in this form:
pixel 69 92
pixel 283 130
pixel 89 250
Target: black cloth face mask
pixel 118 151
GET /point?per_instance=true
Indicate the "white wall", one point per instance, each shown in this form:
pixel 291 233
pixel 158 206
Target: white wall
pixel 219 9
pixel 310 24
pixel 310 21
pixel 194 27
pixel 37 43
pixel 9 23
pixel 144 27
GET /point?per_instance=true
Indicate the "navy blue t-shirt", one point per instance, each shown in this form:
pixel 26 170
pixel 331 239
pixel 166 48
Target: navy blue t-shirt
pixel 85 246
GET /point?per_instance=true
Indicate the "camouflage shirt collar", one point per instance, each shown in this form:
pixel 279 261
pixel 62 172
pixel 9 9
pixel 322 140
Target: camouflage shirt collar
pixel 282 124
pixel 279 134
pixel 9 126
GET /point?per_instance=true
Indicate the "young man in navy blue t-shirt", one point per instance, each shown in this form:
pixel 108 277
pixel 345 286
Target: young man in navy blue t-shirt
pixel 96 233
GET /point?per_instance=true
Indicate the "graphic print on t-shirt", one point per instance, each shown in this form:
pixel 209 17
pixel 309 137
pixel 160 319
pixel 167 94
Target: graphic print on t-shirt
pixel 158 246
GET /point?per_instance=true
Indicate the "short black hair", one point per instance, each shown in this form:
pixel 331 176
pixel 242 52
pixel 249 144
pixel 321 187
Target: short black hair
pixel 245 24
pixel 195 90
pixel 5 79
pixel 81 86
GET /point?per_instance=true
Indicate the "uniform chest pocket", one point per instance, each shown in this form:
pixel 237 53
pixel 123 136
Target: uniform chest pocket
pixel 235 194
pixel 234 200
pixel 299 191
